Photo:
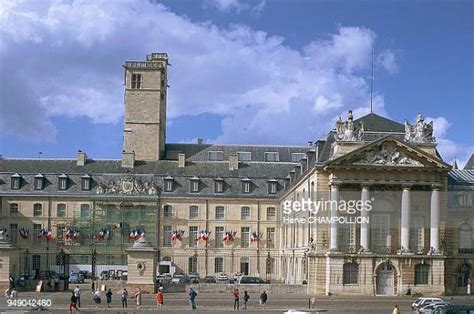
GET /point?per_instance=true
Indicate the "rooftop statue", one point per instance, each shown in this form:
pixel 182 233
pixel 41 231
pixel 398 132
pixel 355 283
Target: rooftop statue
pixel 348 131
pixel 420 132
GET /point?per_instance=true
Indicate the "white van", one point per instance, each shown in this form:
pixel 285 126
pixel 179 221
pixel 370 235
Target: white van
pixel 420 302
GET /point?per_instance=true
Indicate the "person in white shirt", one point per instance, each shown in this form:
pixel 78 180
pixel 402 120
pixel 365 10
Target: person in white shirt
pixel 77 294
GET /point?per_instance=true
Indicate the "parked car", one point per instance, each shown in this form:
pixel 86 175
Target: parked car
pixel 86 274
pixel 420 302
pixel 104 275
pixel 251 280
pixel 177 278
pixel 193 278
pixel 209 279
pixel 163 278
pixel 223 277
pixel 76 278
pixel 431 306
pixel 452 308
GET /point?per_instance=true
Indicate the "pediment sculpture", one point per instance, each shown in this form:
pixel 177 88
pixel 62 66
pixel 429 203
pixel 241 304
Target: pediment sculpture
pixel 420 132
pixel 128 186
pixel 387 155
pixel 349 131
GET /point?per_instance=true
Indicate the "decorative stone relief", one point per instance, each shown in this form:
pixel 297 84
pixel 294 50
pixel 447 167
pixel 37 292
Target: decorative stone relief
pixel 388 155
pixel 127 185
pixel 347 131
pixel 421 132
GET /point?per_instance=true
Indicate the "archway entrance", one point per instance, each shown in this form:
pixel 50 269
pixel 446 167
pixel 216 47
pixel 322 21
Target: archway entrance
pixel 385 279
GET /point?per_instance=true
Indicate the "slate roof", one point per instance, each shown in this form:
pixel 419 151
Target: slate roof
pixel 375 123
pixel 470 163
pixel 461 177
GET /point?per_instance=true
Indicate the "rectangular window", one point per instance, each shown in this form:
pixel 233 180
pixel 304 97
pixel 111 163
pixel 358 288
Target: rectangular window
pixel 272 156
pixel 167 232
pixel 136 81
pixel 244 156
pixel 193 212
pixel 15 183
pixel 350 273
pixel 38 183
pixel 215 156
pixel 61 210
pixel 417 234
pixel 220 212
pixel 193 233
pixel 86 184
pixel 219 236
pixel 245 213
pixel 192 264
pixel 62 184
pixel 246 187
pixel 272 187
pixel 168 185
pixel 167 211
pixel 85 211
pixel 36 231
pixel 219 265
pixel 347 237
pixel 110 260
pixel 36 262
pixel 37 210
pixel 194 186
pixel 245 237
pixel 270 237
pixel 13 209
pixel 296 157
pixel 271 213
pixel 379 232
pixel 218 186
pixel 14 233
pixel 421 274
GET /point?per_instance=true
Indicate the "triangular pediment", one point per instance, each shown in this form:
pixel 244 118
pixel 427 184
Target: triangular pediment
pixel 389 152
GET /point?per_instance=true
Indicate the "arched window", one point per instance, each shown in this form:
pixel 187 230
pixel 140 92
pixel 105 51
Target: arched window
pixel 421 274
pixel 350 273
pixel 465 233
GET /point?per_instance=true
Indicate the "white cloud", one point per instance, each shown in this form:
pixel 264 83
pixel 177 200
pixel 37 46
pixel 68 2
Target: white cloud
pixel 237 5
pixel 387 59
pixel 71 54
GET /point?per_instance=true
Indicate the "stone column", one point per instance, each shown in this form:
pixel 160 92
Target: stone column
pixel 405 219
pixel 333 246
pixel 364 227
pixel 434 220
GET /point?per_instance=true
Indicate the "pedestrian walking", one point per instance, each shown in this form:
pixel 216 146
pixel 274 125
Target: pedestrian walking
pixel 236 295
pixel 97 298
pixel 246 300
pixel 124 298
pixel 93 286
pixel 263 298
pixel 138 298
pixel 73 303
pixel 108 297
pixel 396 309
pixel 160 297
pixel 192 299
pixel 56 283
pixel 77 294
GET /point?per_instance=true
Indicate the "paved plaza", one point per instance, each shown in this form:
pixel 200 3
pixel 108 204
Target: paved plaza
pixel 220 303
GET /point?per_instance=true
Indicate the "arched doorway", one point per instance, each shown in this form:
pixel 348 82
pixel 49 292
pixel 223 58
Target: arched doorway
pixel 385 279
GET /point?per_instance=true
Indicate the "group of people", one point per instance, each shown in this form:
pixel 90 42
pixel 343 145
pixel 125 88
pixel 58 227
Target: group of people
pixel 246 297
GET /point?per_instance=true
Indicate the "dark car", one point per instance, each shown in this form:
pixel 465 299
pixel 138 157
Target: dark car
pixel 209 279
pixel 251 280
pixel 85 274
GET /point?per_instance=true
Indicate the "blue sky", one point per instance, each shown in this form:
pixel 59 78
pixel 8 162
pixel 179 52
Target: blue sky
pixel 258 72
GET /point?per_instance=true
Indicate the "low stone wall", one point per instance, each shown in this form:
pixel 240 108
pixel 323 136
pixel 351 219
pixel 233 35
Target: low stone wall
pixel 251 288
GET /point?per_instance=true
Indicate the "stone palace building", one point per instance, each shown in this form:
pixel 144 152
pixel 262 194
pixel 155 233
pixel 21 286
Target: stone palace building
pixel 210 208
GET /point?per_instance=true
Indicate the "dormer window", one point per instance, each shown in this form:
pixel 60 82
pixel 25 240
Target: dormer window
pixel 296 157
pixel 272 156
pixel 215 156
pixel 272 186
pixel 246 185
pixel 86 182
pixel 62 182
pixel 244 156
pixel 168 184
pixel 194 185
pixel 16 181
pixel 39 181
pixel 219 185
pixel 136 81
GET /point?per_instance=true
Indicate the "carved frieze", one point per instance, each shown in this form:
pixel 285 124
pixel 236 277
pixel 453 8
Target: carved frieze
pixel 127 185
pixel 387 155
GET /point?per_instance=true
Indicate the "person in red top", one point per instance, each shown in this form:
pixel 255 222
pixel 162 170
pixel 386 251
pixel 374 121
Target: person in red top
pixel 236 295
pixel 160 297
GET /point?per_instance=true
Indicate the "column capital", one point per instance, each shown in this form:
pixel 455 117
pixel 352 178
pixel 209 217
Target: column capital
pixel 407 186
pixel 335 183
pixel 366 184
pixel 436 186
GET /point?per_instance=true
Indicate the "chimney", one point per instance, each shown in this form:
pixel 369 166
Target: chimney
pixel 128 159
pixel 81 158
pixel 310 143
pixel 181 160
pixel 200 141
pixel 233 162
